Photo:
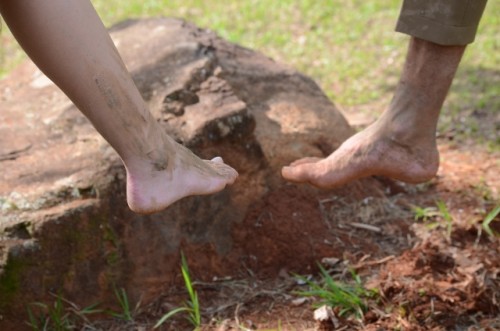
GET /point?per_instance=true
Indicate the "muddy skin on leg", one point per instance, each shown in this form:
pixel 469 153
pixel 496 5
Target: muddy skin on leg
pixel 69 43
pixel 401 144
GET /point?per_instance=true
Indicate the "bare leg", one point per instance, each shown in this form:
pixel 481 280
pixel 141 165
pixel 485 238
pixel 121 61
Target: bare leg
pixel 401 144
pixel 69 43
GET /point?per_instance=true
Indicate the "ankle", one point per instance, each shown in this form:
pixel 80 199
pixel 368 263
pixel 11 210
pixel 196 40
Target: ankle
pixel 410 119
pixel 149 161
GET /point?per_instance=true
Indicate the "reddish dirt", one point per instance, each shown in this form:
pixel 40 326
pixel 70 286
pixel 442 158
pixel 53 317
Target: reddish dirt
pixel 426 280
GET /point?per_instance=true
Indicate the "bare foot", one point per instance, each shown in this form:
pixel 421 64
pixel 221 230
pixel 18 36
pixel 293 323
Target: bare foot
pixel 370 152
pixel 402 143
pixel 153 188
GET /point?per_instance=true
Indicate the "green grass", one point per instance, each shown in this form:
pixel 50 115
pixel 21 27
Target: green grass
pixel 191 306
pixel 435 217
pixel 55 317
pixel 62 315
pixel 424 213
pixel 349 47
pixel 488 219
pixel 125 313
pixel 447 218
pixel 347 298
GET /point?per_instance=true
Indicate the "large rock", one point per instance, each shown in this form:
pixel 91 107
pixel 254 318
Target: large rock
pixel 64 224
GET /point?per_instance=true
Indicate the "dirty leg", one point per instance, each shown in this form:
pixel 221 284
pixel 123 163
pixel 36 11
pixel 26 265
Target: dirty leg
pixel 401 144
pixel 69 43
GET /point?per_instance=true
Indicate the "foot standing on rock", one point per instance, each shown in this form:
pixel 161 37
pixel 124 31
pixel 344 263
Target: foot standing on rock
pixel 67 40
pixel 401 144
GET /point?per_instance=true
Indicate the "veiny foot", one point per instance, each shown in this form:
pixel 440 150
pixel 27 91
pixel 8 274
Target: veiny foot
pixel 370 152
pixel 152 189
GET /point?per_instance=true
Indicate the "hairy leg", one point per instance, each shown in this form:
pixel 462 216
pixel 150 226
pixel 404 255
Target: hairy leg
pixel 68 42
pixel 401 144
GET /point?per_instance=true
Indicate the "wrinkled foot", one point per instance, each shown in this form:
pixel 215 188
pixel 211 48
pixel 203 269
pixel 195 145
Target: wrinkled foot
pixel 152 189
pixel 370 152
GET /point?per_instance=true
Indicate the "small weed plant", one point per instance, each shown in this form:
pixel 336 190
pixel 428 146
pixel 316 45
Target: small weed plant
pixel 53 317
pixel 435 217
pixel 348 298
pixel 445 214
pixel 425 214
pixel 191 306
pixel 58 317
pixel 126 314
pixel 193 303
pixel 488 219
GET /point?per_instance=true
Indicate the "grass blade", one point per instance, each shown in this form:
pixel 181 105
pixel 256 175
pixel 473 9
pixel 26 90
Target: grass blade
pixel 168 315
pixel 489 218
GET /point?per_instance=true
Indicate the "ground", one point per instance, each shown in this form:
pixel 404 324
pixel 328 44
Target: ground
pixel 432 268
pixel 437 272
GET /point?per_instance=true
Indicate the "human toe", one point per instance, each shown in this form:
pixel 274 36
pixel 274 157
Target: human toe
pixel 305 160
pixel 297 173
pixel 217 159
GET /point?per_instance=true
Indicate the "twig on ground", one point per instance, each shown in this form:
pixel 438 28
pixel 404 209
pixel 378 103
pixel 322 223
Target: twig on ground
pixel 372 263
pixel 236 312
pixel 366 227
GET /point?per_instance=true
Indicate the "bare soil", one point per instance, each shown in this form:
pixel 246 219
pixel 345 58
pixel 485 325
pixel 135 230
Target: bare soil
pixel 429 275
